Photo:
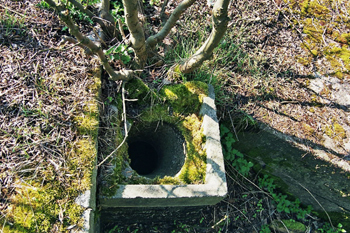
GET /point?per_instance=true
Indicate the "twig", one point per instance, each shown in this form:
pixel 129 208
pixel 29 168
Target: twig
pixel 284 226
pixel 233 127
pixel 125 127
pixel 329 218
pixel 256 186
pixel 162 12
pixel 14 11
pixel 77 44
pixel 237 210
pixel 122 31
pixel 74 30
pixel 221 220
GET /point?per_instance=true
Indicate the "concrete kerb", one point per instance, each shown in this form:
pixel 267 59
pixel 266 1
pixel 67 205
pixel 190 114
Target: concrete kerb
pixel 211 192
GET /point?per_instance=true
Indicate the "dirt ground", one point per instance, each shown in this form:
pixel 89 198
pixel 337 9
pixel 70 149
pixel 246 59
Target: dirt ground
pixel 303 102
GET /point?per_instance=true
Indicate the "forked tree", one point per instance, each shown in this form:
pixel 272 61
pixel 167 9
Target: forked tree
pixel 141 45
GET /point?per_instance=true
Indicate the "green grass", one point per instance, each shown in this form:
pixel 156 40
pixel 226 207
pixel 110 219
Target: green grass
pixel 12 24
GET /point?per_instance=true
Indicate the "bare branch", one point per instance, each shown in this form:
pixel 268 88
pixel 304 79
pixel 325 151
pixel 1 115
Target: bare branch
pixel 74 30
pixel 137 35
pixel 162 12
pixel 220 20
pixel 171 22
pixel 122 31
pixel 110 30
pixel 75 42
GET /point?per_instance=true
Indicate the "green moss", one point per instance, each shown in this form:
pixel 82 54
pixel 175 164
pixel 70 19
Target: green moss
pixel 320 19
pixel 83 154
pixel 29 210
pixel 167 180
pixel 87 124
pixel 304 60
pixel 335 131
pixel 312 7
pixel 138 90
pixel 291 225
pixel 336 217
pixel 186 97
pixel 339 130
pixel 47 204
pixel 194 168
pixel 178 105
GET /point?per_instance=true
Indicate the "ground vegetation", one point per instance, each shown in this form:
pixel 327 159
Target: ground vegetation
pixel 281 63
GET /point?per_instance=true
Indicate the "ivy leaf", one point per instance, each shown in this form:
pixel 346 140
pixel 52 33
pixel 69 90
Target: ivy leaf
pixel 110 50
pixel 126 59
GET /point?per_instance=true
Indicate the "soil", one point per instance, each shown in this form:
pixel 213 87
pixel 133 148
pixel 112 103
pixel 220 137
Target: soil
pixel 295 100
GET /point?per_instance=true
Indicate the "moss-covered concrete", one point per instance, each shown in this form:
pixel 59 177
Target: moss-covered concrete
pixel 288 226
pixel 166 193
pixel 178 105
pixel 299 173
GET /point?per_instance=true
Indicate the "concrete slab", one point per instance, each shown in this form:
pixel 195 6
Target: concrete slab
pixel 211 192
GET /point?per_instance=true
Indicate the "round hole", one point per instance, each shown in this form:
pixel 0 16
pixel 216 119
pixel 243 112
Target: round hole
pixel 156 150
pixel 143 156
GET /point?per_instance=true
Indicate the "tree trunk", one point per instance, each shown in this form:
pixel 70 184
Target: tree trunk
pixel 137 35
pixel 220 20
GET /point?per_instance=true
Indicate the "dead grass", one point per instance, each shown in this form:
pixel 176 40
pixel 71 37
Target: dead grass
pixel 263 70
pixel 42 90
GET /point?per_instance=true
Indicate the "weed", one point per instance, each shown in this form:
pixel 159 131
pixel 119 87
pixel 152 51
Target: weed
pixel 265 229
pixel 154 2
pixel 260 206
pixel 75 13
pixel 281 201
pixel 79 15
pixel 114 229
pixel 43 5
pixel 120 52
pixel 234 156
pixel 327 228
pixel 12 25
pixel 117 10
pixel 89 2
pixel 181 227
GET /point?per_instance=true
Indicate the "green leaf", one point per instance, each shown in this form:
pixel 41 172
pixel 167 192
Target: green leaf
pixel 224 130
pixel 126 59
pixel 118 49
pixel 110 50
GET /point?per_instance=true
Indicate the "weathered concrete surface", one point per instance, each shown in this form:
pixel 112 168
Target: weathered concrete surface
pixel 314 181
pixel 213 191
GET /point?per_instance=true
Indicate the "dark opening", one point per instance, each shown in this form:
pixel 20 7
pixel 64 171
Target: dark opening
pixel 143 156
pixel 156 150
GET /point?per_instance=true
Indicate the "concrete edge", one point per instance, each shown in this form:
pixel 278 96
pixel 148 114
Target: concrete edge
pixel 212 192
